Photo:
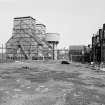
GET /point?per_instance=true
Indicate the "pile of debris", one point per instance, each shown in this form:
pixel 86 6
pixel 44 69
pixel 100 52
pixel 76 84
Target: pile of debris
pixel 65 62
pixel 98 67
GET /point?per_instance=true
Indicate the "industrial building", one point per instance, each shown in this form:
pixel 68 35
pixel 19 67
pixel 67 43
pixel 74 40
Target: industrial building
pixel 76 53
pixel 98 46
pixel 30 41
pixel 80 53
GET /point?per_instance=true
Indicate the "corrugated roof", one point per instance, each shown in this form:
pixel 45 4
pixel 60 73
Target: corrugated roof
pixel 76 47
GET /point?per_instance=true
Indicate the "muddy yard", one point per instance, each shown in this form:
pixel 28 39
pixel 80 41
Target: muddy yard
pixel 51 83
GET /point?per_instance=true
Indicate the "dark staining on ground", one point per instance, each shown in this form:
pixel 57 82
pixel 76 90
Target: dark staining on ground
pixel 42 76
pixel 3 100
pixel 78 81
pixel 78 66
pixel 79 95
pixel 83 96
pixel 45 76
pixel 39 77
pixel 97 82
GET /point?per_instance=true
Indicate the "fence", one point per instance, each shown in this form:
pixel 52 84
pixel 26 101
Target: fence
pixel 6 57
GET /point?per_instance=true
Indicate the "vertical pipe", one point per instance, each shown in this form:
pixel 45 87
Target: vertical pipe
pixel 71 57
pixel 65 54
pixel 2 53
pixel 37 51
pixel 6 53
pixel 53 50
pixel 20 56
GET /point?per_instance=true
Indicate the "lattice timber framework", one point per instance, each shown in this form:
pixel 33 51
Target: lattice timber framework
pixel 26 42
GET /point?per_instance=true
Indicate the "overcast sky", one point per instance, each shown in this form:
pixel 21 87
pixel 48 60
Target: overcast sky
pixel 75 20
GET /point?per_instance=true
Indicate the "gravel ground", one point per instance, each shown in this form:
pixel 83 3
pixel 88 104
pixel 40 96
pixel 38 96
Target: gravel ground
pixel 51 83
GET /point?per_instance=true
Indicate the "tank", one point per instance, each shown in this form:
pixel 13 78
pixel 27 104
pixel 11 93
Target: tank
pixel 53 40
pixel 52 37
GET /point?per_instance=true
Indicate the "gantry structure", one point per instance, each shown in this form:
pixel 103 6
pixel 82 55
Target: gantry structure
pixel 28 40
